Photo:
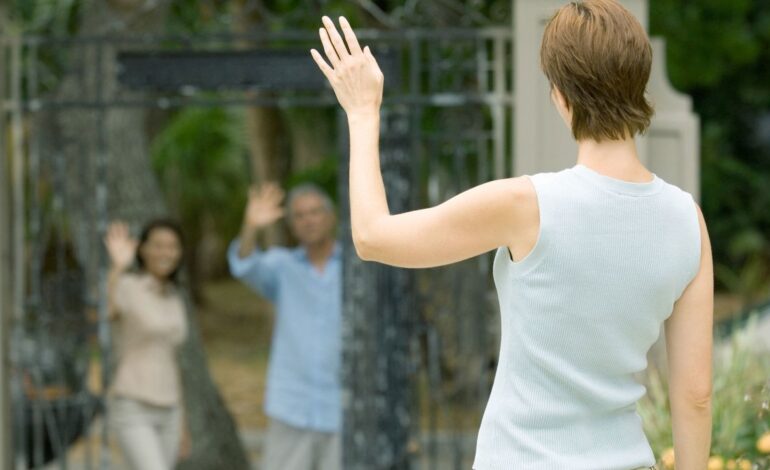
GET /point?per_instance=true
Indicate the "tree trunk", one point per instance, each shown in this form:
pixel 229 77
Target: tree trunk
pixel 263 127
pixel 312 136
pixel 133 195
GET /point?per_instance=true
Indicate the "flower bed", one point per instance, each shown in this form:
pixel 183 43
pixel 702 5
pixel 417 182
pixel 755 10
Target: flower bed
pixel 741 398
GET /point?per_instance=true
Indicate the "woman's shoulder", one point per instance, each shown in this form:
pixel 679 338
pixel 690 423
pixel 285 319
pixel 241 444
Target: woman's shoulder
pixel 546 178
pixel 675 190
pixel 137 282
pixel 129 279
pixel 126 279
pixel 678 199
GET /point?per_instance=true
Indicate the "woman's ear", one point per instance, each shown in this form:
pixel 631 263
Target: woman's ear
pixel 559 99
pixel 561 106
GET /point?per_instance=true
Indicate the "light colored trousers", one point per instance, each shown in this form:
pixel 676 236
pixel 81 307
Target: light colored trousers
pixel 291 448
pixel 148 435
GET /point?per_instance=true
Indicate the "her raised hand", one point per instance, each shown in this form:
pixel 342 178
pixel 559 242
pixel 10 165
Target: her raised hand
pixel 120 245
pixel 352 72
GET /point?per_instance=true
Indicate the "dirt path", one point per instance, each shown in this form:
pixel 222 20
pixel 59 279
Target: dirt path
pixel 236 327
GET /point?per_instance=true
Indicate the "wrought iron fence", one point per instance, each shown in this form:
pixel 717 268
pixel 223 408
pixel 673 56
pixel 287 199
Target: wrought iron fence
pixel 450 109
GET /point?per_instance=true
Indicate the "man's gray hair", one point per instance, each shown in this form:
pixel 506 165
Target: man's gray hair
pixel 305 189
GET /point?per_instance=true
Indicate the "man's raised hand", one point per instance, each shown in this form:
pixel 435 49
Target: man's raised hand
pixel 264 206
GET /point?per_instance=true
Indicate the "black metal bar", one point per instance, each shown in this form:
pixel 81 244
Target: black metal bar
pixel 435 393
pixel 41 425
pixel 415 116
pixel 457 282
pixel 436 99
pixel 6 448
pixel 105 339
pixel 19 247
pixel 362 34
pixel 266 69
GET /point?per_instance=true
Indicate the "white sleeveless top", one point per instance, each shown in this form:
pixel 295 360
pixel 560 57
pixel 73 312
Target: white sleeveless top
pixel 579 314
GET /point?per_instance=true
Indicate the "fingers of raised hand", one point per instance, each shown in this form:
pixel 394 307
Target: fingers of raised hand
pixel 117 231
pixel 370 57
pixel 273 193
pixel 329 50
pixel 373 62
pixel 336 39
pixel 325 68
pixel 342 59
pixel 119 242
pixel 263 191
pixel 278 213
pixel 350 36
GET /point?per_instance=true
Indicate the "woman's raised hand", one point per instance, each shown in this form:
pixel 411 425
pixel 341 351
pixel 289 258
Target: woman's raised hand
pixel 352 72
pixel 120 246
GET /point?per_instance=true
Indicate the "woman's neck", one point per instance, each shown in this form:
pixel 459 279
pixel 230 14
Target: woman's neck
pixel 159 281
pixel 614 158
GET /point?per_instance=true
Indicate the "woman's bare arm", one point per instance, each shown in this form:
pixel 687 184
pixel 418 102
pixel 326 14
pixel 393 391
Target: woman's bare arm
pixel 122 248
pixel 689 343
pixel 469 224
pixel 473 222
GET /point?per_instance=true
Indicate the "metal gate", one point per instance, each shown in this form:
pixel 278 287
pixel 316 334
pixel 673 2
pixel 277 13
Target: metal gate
pixel 454 104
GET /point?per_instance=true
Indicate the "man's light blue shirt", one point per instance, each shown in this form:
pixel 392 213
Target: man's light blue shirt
pixel 303 378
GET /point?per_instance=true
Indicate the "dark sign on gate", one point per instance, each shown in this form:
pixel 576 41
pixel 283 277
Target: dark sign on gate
pixel 268 69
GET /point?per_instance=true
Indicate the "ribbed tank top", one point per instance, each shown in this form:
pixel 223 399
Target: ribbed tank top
pixel 579 314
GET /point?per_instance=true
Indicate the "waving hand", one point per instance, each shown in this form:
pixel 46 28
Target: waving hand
pixel 352 72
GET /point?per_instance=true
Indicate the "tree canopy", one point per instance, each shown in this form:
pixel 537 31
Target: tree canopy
pixel 718 52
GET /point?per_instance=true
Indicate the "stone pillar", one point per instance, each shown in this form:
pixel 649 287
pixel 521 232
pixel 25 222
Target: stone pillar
pixel 673 140
pixel 541 140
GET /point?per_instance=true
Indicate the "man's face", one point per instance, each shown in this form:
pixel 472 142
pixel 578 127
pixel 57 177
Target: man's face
pixel 311 221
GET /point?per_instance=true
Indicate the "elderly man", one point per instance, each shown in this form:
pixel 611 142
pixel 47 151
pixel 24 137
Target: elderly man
pixel 304 283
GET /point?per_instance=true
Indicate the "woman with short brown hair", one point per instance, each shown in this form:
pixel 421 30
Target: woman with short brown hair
pixel 590 261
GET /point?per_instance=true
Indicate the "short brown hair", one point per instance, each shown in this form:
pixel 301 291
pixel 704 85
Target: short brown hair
pixel 599 56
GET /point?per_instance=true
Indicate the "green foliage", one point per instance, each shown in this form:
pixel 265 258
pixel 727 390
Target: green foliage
pixel 707 39
pixel 191 16
pixel 739 405
pixel 195 16
pixel 717 50
pixel 735 201
pixel 324 174
pixel 52 17
pixel 200 159
pixel 718 53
